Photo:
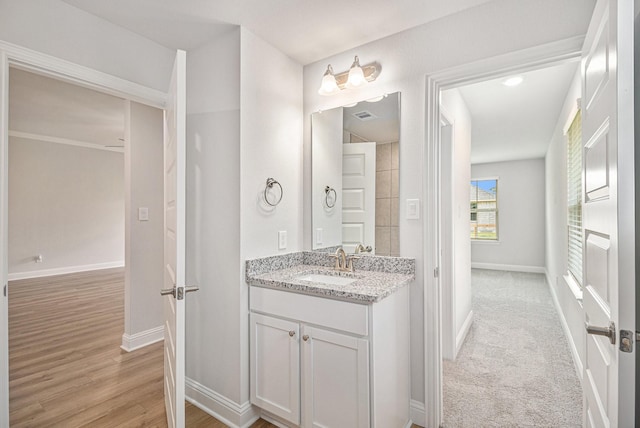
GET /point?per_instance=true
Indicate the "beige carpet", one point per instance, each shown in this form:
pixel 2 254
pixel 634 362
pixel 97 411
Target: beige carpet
pixel 515 367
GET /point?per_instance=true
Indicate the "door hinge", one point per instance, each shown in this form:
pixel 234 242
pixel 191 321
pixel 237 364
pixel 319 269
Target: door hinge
pixel 436 272
pixel 5 290
pixel 626 341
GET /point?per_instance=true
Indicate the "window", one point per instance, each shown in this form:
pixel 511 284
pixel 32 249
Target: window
pixel 574 197
pixel 484 209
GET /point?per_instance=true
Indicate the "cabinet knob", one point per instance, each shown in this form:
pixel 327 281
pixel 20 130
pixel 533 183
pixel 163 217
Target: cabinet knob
pixel 305 337
pixel 292 333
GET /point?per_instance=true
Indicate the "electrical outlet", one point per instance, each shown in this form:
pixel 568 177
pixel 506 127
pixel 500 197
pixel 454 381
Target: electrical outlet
pixel 319 236
pixel 282 240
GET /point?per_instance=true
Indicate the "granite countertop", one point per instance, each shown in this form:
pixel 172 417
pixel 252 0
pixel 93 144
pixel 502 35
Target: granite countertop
pixel 369 286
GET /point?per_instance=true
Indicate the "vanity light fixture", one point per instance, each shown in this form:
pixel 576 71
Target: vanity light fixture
pixel 356 77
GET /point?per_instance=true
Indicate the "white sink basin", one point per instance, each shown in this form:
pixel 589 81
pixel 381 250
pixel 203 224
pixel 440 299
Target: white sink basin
pixel 326 279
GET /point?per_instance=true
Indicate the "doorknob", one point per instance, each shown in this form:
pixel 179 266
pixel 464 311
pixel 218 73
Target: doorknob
pixel 179 292
pixel 168 291
pixel 609 332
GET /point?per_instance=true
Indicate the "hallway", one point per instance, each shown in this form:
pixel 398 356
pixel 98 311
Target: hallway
pixel 515 368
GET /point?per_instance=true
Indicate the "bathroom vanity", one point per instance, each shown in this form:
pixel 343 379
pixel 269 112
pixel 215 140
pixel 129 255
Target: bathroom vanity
pixel 330 348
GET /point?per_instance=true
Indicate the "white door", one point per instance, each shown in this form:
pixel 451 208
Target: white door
pixel 358 195
pixel 335 379
pixel 608 197
pixel 174 244
pixel 275 366
pixel 4 239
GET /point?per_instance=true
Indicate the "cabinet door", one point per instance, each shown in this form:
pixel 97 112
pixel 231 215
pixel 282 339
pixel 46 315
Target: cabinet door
pixel 335 379
pixel 275 366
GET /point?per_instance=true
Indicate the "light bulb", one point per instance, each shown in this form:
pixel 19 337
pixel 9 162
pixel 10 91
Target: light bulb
pixel 513 81
pixel 356 75
pixel 329 86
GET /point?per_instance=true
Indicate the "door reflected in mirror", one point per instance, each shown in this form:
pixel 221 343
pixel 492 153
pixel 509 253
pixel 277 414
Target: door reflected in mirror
pixel 355 177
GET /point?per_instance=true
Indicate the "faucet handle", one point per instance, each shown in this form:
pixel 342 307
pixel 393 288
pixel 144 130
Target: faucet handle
pixel 350 260
pixel 337 257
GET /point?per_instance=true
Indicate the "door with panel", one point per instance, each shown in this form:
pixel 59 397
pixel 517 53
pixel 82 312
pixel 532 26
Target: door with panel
pixel 335 379
pixel 358 195
pixel 608 198
pixel 275 366
pixel 174 288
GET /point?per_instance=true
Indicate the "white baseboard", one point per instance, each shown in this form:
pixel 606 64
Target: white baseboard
pixel 511 268
pixel 417 413
pixel 228 412
pixel 63 270
pixel 577 363
pixel 142 339
pixel 462 334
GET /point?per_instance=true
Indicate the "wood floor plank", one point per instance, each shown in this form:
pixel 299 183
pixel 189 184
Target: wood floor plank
pixel 65 362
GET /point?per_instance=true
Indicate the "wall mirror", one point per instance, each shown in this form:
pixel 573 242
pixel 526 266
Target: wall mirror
pixel 355 170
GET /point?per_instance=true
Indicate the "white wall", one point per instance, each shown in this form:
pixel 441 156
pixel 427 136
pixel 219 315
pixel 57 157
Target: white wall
pixel 241 129
pixel 271 146
pixel 459 292
pixel 66 203
pixel 58 29
pixel 521 222
pixel 556 226
pixel 144 179
pixel 488 30
pixel 213 215
pixel 327 165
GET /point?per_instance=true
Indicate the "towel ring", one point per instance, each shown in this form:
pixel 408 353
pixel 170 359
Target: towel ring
pixel 270 183
pixel 327 191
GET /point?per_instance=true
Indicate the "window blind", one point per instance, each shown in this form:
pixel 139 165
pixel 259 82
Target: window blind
pixel 574 197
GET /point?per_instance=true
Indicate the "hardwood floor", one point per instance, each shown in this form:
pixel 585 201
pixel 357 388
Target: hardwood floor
pixel 65 362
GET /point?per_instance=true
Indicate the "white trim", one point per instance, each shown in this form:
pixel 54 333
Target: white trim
pixel 58 140
pixel 64 270
pixel 572 115
pixel 462 334
pixel 417 413
pixel 554 53
pixel 577 363
pixel 510 268
pixel 50 66
pixel 220 407
pixel 142 339
pixel 576 290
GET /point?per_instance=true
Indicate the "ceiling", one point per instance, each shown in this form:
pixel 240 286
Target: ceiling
pixel 305 30
pixel 510 123
pixel 49 109
pixel 383 126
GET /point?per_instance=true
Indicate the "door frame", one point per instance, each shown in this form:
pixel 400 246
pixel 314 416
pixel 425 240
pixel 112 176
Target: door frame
pixel 19 57
pixel 555 53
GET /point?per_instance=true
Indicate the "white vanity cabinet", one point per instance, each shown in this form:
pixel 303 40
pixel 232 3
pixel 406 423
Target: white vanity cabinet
pixel 319 362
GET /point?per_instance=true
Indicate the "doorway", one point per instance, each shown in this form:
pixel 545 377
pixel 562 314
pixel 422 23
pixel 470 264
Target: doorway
pixel 85 194
pixel 42 65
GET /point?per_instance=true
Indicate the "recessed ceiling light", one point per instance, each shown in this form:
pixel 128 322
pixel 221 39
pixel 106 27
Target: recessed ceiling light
pixel 513 81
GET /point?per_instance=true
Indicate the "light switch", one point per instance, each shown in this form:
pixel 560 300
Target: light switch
pixel 319 236
pixel 143 214
pixel 413 209
pixel 282 240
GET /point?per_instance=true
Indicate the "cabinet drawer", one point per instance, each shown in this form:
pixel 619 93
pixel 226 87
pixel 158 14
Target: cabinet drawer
pixel 336 314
